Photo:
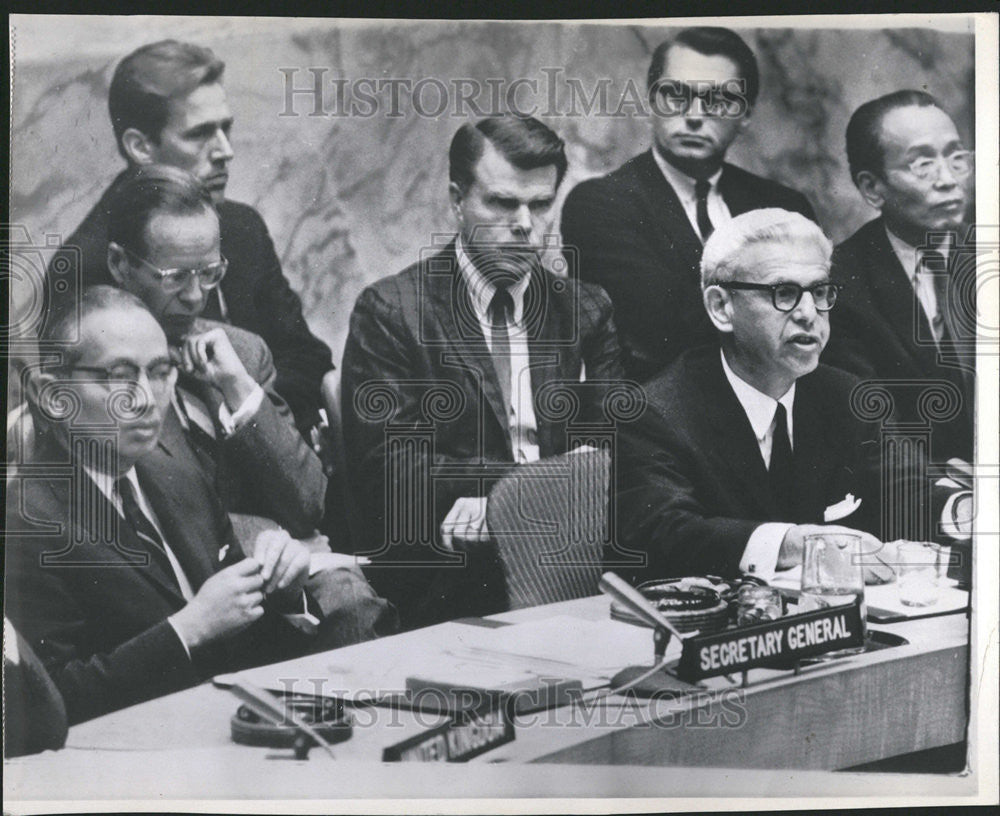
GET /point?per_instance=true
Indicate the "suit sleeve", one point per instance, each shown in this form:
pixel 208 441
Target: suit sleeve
pixel 660 510
pixel 380 349
pixel 605 237
pixel 300 358
pixel 283 474
pixel 47 613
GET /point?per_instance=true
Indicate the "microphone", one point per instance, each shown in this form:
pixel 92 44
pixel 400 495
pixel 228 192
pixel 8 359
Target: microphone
pixel 644 681
pixel 625 594
pixel 264 705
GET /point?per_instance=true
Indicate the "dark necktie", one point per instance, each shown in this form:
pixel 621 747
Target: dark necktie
pixel 701 190
pixel 934 265
pixel 205 444
pixel 143 528
pixel 781 471
pixel 502 306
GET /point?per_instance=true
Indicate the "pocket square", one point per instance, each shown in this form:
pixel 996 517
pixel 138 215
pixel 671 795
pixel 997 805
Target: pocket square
pixel 841 509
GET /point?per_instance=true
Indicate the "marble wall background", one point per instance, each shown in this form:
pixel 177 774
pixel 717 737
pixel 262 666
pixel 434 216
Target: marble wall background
pixel 349 199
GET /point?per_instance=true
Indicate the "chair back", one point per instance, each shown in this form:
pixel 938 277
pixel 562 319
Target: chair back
pixel 549 520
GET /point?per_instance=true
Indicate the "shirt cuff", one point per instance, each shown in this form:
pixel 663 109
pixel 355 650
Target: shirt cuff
pixel 231 421
pixel 760 557
pixel 951 526
pixel 180 637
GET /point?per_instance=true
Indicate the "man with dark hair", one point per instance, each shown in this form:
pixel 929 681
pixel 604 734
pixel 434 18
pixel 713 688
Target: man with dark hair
pixel 471 344
pixel 168 106
pixel 908 312
pixel 122 570
pixel 639 230
pixel 164 248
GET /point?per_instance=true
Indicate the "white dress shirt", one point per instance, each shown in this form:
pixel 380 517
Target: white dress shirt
pixel 760 556
pixel 521 422
pixel 911 259
pixel 683 184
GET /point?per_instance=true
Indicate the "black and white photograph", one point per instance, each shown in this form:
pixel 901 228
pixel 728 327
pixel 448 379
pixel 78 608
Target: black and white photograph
pixel 447 416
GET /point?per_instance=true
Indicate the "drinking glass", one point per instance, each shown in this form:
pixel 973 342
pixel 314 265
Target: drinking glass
pixel 832 576
pixel 919 573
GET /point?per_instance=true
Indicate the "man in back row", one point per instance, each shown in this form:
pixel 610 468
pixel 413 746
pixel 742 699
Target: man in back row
pixel 168 106
pixel 640 230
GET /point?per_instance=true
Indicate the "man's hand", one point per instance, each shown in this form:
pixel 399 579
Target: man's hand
pixel 877 558
pixel 466 521
pixel 284 564
pixel 227 602
pixel 210 357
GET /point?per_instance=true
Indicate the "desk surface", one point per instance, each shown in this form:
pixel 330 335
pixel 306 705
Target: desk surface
pixel 832 715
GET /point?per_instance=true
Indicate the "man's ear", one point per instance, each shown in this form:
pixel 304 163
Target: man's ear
pixel 36 392
pixel 872 188
pixel 719 306
pixel 118 264
pixel 138 146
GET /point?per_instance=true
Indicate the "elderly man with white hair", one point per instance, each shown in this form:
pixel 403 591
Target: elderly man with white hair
pixel 748 444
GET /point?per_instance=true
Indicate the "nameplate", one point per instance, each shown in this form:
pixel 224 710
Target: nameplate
pixel 779 642
pixel 467 735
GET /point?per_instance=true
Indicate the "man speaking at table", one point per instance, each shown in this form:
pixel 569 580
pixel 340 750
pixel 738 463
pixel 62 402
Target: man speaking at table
pixel 463 347
pixel 122 570
pixel 749 443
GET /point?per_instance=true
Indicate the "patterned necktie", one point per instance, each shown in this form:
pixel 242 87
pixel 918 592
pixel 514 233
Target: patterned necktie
pixel 501 311
pixel 143 528
pixel 701 190
pixel 781 471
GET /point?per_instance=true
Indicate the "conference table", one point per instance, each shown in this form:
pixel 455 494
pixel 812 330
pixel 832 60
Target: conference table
pixel 827 716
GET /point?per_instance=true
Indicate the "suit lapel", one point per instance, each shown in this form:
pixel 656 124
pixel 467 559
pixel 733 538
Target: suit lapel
pixel 552 358
pixel 680 240
pixel 733 430
pixel 459 325
pixel 179 500
pixel 896 299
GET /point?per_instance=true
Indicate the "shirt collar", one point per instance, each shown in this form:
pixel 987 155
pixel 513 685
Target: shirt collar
pixel 908 254
pixel 106 482
pixel 481 290
pixel 682 183
pixel 757 405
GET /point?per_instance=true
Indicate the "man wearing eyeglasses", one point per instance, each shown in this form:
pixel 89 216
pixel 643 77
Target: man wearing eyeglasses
pixel 165 248
pixel 748 444
pixel 168 106
pixel 639 231
pixel 908 312
pixel 122 569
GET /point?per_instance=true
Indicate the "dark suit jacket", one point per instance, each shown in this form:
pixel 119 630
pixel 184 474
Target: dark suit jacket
pixel 632 237
pixel 34 716
pixel 258 297
pixel 414 335
pixel 879 331
pixel 98 621
pixel 693 485
pixel 265 468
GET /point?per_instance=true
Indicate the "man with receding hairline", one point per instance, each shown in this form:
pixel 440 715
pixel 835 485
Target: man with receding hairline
pixel 168 106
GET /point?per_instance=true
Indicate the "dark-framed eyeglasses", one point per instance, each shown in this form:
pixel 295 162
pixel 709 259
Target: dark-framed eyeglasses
pixel 673 97
pixel 175 280
pixel 786 296
pixel 960 163
pixel 158 373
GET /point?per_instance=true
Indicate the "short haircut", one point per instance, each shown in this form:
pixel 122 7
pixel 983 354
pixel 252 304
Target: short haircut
pixel 147 79
pixel 864 131
pixel 148 190
pixel 524 141
pixel 721 260
pixel 62 323
pixel 711 41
